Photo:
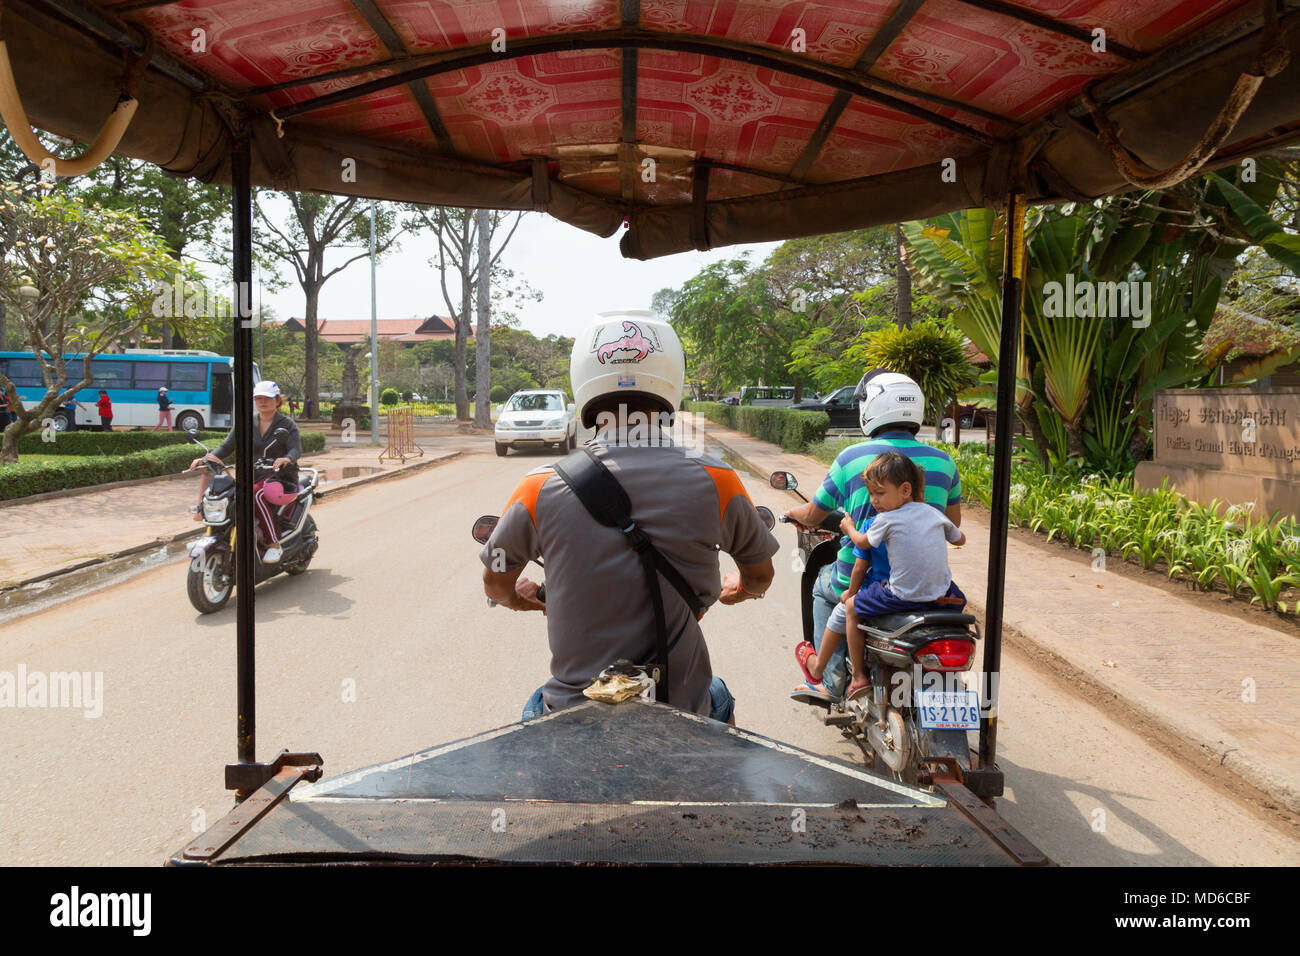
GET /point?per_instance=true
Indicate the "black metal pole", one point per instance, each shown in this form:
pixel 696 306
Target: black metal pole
pixel 1013 277
pixel 241 228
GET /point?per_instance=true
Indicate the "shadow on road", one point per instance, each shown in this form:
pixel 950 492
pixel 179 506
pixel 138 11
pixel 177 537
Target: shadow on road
pixel 284 596
pixel 1070 822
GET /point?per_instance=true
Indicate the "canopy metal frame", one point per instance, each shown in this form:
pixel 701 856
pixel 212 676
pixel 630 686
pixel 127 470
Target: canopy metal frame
pixel 1013 167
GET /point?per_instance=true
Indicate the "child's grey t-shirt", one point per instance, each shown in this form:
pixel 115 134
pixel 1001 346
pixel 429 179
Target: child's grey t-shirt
pixel 914 537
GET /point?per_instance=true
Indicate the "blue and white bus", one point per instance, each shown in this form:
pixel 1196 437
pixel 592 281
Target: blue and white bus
pixel 199 384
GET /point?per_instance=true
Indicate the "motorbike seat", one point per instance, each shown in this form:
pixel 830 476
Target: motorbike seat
pixel 892 622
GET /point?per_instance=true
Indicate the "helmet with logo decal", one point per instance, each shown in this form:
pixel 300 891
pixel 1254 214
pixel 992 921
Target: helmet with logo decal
pixel 888 400
pixel 627 353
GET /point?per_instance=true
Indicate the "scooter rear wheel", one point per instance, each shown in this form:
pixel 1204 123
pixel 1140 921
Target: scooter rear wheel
pixel 298 567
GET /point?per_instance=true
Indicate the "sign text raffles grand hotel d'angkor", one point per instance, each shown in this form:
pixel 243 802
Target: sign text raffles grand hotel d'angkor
pixel 1255 432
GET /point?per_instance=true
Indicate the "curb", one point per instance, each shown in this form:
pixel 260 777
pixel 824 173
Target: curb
pixel 60 583
pixel 1216 751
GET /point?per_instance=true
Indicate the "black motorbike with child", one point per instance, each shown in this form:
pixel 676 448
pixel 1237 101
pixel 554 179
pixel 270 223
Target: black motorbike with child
pixel 901 692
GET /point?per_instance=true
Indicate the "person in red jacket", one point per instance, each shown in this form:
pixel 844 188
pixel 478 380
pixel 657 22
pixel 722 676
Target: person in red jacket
pixel 105 406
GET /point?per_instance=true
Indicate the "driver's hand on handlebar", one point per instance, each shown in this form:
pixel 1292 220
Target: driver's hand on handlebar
pixel 526 596
pixel 208 457
pixel 279 463
pixel 790 517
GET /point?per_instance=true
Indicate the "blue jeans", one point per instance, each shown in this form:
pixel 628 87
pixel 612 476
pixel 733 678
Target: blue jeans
pixel 722 703
pixel 825 596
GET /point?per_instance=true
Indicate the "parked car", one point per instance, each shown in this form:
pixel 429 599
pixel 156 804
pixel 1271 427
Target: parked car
pixel 536 418
pixel 973 417
pixel 839 405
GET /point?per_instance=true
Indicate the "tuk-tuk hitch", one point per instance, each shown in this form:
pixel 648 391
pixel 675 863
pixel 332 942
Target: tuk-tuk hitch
pixel 244 778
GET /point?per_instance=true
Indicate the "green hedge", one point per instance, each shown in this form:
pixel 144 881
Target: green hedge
pixel 793 431
pixel 107 443
pixel 36 477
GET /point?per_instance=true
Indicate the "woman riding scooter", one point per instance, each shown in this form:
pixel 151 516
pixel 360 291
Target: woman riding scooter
pixel 276 489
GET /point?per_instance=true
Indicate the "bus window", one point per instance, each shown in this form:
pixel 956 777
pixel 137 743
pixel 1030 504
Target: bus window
pixel 24 372
pixel 188 377
pixel 106 374
pixel 150 375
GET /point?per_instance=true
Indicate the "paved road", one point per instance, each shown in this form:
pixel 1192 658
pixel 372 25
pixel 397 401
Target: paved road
pixel 388 645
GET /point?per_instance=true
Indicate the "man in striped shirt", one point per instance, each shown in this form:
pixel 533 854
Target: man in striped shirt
pixel 891 407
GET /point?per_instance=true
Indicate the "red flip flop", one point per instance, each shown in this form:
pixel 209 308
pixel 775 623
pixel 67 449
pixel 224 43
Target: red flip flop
pixel 802 651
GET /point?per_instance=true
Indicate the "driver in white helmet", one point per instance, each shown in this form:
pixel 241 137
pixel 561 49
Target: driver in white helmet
pixel 890 409
pixel 628 370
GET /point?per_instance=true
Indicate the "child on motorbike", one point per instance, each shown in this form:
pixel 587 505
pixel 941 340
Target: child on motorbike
pixel 919 579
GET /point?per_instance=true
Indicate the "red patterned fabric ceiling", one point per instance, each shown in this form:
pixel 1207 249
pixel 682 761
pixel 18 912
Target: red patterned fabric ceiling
pixel 737 113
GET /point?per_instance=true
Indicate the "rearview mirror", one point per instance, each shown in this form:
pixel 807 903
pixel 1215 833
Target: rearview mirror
pixel 484 527
pixel 193 433
pixel 765 513
pixel 572 407
pixel 783 481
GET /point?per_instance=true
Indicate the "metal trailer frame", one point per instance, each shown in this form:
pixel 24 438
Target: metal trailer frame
pixel 336 824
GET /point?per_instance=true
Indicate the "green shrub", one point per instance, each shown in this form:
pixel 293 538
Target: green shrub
pixel 1255 557
pixel 389 396
pixel 499 393
pixel 107 443
pixel 792 430
pixel 37 477
pixel 408 397
pixel 313 442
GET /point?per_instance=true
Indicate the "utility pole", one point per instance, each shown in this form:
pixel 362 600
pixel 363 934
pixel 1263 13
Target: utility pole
pixel 374 338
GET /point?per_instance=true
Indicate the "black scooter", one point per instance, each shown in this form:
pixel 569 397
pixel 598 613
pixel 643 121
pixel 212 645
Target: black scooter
pixel 211 578
pixel 919 711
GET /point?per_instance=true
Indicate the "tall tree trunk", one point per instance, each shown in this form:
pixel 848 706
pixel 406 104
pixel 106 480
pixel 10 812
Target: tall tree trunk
pixel 903 297
pixel 312 384
pixel 463 323
pixel 1030 417
pixel 462 393
pixel 482 341
pixel 1074 440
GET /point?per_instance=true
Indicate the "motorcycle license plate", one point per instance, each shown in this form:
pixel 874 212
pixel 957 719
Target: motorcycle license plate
pixel 948 710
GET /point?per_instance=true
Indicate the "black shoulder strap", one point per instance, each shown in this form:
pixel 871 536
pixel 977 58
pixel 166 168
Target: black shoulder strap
pixel 607 501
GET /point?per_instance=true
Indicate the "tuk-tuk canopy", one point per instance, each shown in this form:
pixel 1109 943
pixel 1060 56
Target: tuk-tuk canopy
pixel 697 123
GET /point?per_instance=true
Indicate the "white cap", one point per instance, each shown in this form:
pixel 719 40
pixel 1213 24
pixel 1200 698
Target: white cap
pixel 162 388
pixel 266 389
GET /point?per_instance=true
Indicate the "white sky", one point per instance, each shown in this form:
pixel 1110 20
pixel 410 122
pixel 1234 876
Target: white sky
pixel 578 274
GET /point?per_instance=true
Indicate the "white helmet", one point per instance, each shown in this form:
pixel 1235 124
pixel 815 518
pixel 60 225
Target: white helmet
pixel 626 352
pixel 888 399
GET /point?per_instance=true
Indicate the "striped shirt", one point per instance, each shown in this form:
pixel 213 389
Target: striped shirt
pixel 844 490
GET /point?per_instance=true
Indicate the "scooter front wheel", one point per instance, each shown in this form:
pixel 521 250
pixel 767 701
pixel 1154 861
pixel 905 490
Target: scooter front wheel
pixel 209 584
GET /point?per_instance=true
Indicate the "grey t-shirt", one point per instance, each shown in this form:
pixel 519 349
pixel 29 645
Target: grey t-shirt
pixel 914 538
pixel 598 607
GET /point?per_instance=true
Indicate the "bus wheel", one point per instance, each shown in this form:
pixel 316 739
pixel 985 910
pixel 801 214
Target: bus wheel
pixel 187 420
pixel 61 422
